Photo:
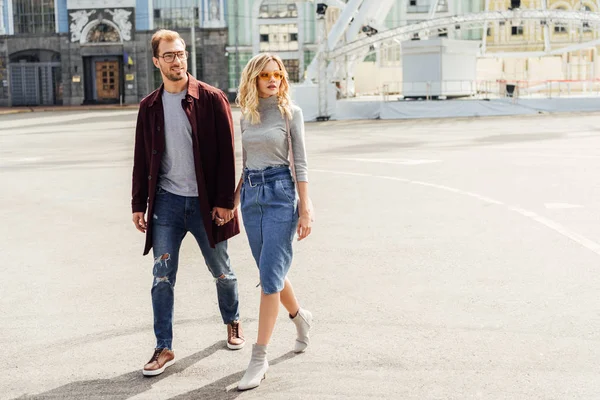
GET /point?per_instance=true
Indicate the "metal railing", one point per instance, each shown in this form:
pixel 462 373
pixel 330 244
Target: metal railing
pixel 486 89
pixel 429 89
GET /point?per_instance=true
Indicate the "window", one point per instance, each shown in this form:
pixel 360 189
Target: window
pixel 586 25
pixel 442 6
pixel 390 56
pixel 293 69
pixel 560 27
pixel 234 70
pixel 489 32
pixel 412 3
pixel 34 16
pixel 278 32
pixel 275 9
pixel 279 37
pixel 174 14
pixel 515 3
pixel 516 30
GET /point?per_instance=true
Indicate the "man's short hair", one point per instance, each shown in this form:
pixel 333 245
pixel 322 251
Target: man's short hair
pixel 166 35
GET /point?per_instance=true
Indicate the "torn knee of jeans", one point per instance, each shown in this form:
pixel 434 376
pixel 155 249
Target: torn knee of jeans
pixel 161 279
pixel 224 277
pixel 161 264
pixel 165 258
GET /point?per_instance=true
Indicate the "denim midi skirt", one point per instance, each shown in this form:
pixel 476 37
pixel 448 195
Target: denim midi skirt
pixel 270 214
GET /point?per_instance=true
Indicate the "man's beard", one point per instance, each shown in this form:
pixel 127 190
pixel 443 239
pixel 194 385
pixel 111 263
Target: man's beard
pixel 173 77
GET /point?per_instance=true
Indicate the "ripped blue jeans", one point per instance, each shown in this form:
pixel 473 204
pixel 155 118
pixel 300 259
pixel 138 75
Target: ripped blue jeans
pixel 173 217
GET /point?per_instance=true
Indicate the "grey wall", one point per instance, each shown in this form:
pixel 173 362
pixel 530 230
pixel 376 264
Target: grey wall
pixel 210 42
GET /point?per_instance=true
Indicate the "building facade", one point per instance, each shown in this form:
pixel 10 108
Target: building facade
pixel 74 52
pixel 529 36
pixel 97 51
pixel 289 28
pixel 284 27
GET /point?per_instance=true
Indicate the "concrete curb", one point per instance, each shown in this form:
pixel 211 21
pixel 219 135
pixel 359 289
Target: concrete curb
pixel 8 112
pixel 19 110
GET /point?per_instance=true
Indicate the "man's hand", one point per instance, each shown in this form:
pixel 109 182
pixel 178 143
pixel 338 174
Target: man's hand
pixel 139 220
pixel 221 216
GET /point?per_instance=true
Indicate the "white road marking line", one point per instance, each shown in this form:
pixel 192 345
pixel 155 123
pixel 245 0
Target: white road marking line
pixel 553 225
pixel 343 173
pixel 28 159
pixel 561 206
pixel 390 161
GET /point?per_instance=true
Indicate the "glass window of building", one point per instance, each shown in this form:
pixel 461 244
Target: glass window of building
pixel 278 32
pixel 278 9
pixel 516 30
pixel 560 27
pixel 293 69
pixel 34 16
pixel 174 14
pixel 586 25
pixel 391 56
pixel 279 37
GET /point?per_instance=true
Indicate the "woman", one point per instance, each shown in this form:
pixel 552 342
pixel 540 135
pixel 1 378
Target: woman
pixel 271 211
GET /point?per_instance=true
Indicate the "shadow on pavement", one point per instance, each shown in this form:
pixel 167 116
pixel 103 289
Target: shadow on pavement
pixel 217 390
pixel 123 386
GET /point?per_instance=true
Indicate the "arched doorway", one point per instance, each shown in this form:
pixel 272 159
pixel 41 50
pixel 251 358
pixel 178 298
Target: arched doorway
pixel 35 78
pixel 102 47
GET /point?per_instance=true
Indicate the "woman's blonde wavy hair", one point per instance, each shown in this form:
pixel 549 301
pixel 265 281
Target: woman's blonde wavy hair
pixel 247 97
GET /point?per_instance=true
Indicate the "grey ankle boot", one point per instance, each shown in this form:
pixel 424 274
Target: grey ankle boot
pixel 302 320
pixel 256 369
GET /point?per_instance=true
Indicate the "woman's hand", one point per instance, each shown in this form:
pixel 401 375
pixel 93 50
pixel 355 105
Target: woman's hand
pixel 305 221
pixel 305 208
pixel 236 200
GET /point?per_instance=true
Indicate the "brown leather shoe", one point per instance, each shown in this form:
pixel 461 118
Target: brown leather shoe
pixel 235 336
pixel 161 359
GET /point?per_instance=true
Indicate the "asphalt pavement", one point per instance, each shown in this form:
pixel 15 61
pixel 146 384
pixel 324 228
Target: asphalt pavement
pixel 450 259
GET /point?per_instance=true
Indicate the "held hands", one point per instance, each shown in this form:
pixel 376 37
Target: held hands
pixel 139 221
pixel 221 216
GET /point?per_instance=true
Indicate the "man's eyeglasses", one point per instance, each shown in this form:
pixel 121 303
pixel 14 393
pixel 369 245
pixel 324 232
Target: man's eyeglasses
pixel 266 76
pixel 170 57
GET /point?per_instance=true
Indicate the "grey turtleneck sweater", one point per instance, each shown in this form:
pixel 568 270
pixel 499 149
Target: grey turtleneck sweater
pixel 266 145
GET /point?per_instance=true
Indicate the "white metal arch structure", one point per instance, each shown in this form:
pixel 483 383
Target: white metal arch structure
pixel 470 21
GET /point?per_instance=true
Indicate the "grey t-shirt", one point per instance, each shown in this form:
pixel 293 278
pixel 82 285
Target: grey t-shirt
pixel 266 144
pixel 177 170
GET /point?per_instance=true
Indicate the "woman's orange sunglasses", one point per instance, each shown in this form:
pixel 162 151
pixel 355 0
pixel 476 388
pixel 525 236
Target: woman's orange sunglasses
pixel 266 76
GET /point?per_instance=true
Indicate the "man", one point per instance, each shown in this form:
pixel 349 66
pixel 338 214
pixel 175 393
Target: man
pixel 183 175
